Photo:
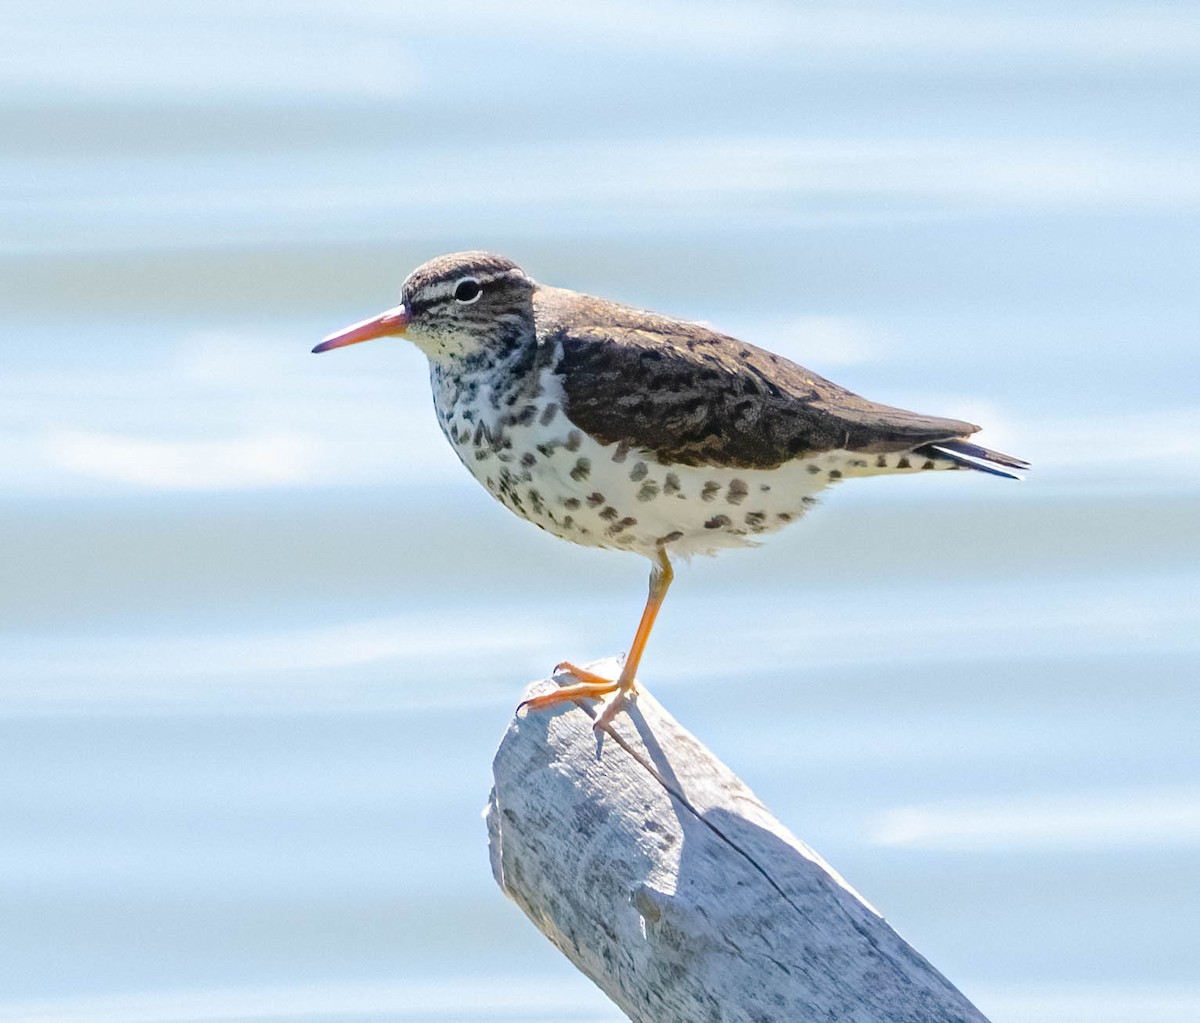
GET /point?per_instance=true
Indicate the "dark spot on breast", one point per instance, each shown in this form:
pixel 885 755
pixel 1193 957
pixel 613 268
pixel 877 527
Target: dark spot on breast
pixel 736 492
pixel 857 463
pixel 765 488
pixel 835 474
pixel 638 472
pixel 574 439
pixel 621 453
pixel 609 512
pixel 546 449
pixel 671 486
pixel 528 459
pixel 755 518
pixel 548 413
pixel 481 454
pixel 648 491
pixel 670 537
pixel 525 416
pixel 718 522
pixel 571 502
pixel 785 516
pixel 808 502
pixel 812 468
pixel 929 464
pixel 881 462
pixel 710 491
pixel 568 523
pixel 582 470
pixel 904 463
pixel 595 499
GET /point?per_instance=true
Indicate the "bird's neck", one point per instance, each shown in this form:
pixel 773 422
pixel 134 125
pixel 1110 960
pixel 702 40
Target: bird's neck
pixel 488 377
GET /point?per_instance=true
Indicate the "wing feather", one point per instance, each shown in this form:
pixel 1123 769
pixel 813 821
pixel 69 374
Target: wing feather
pixel 693 396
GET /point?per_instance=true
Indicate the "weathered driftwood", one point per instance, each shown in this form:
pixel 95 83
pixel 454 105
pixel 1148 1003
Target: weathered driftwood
pixel 656 871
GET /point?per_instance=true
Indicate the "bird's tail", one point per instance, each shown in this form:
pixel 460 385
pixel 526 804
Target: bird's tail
pixel 972 456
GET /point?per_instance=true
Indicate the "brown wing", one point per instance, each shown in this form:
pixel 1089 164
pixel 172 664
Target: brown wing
pixel 696 397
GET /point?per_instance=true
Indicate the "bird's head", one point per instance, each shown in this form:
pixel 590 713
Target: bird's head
pixel 455 308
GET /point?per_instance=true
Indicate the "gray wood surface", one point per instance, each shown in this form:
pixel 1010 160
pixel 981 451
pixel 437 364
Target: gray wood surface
pixel 657 872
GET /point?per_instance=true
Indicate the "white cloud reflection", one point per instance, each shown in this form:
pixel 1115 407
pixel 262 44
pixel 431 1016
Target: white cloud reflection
pixel 315 647
pixel 676 179
pixel 372 49
pixel 193 464
pixel 232 410
pixel 1119 819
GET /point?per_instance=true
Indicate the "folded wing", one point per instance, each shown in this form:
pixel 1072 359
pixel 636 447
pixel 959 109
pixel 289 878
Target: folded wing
pixel 693 396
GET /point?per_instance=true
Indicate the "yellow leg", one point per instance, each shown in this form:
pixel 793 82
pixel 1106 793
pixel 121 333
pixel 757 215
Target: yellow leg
pixel 593 685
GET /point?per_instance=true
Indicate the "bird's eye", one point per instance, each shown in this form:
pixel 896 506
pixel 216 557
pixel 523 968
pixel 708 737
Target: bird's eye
pixel 468 290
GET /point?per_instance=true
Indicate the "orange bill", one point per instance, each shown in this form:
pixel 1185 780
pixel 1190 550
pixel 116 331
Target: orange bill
pixel 394 321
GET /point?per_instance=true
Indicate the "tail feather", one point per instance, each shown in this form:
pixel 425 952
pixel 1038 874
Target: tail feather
pixel 973 456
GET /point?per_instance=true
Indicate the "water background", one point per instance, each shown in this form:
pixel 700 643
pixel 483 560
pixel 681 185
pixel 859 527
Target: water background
pixel 260 634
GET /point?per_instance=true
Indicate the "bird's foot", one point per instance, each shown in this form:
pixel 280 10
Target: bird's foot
pixel 625 692
pixel 623 686
pixel 589 686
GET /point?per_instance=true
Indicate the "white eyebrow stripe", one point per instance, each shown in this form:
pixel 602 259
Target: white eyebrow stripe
pixel 442 290
pixel 436 292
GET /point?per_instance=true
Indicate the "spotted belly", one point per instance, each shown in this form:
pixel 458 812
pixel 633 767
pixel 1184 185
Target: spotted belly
pixel 614 496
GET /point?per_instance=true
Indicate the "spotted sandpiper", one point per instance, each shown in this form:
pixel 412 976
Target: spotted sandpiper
pixel 614 427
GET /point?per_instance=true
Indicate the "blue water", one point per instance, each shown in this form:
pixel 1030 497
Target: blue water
pixel 260 634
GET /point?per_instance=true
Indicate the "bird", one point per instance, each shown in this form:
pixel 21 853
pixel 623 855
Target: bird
pixel 614 427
